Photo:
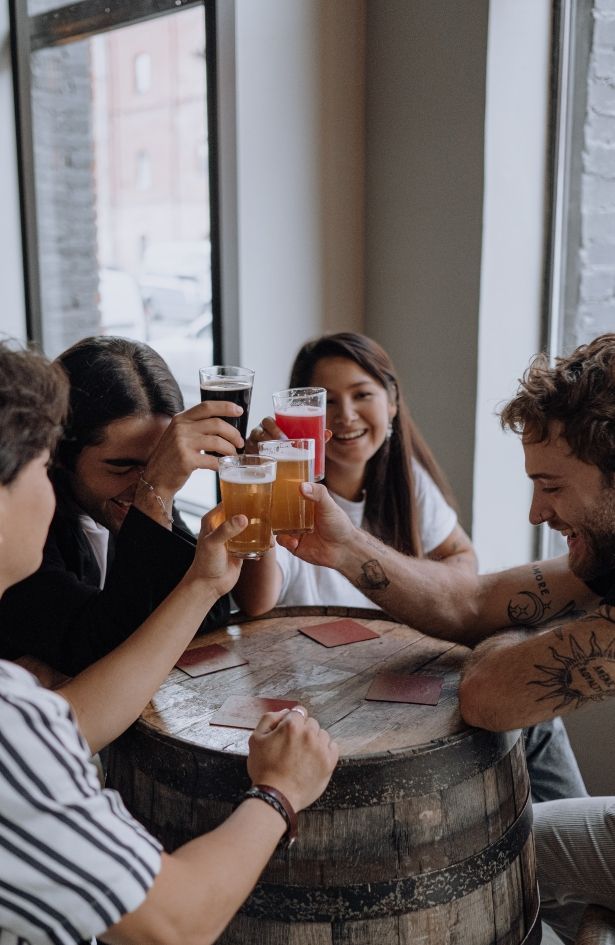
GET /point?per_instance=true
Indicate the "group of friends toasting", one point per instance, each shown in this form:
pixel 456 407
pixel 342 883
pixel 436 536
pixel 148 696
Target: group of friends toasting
pixel 103 587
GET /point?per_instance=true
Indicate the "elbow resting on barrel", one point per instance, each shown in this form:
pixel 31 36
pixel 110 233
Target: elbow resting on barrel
pixel 479 704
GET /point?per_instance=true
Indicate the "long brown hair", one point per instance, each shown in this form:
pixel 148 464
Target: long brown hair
pixel 390 498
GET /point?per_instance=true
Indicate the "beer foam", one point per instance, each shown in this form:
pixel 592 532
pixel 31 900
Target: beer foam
pixel 300 410
pixel 288 453
pixel 247 475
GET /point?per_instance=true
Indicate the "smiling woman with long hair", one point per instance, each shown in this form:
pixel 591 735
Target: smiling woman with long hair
pixel 381 472
pixel 378 468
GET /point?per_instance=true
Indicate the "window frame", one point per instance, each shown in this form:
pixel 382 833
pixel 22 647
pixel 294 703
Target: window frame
pixel 71 23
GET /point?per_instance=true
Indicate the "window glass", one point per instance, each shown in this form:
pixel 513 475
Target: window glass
pixel 123 209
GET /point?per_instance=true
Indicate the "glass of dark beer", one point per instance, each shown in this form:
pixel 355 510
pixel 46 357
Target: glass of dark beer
pixel 226 382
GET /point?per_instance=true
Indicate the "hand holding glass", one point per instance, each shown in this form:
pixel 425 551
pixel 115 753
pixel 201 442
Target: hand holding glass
pixel 300 412
pixel 246 483
pixel 290 512
pixel 225 382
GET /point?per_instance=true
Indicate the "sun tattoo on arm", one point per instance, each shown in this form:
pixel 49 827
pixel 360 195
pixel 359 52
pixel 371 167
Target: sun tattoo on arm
pixel 581 676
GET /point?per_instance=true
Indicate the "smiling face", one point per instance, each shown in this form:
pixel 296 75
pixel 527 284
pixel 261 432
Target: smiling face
pixel 106 474
pixel 571 496
pixel 359 410
pixel 26 510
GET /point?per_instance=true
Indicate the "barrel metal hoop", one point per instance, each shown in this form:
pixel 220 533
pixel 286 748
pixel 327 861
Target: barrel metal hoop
pixel 379 900
pixel 356 782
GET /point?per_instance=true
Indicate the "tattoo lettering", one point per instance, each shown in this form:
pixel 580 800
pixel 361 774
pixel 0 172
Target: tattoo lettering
pixel 606 612
pixel 373 577
pixel 528 610
pixel 569 678
pixel 542 584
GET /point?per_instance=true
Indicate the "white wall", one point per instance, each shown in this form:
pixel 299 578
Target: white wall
pixel 426 70
pixel 12 310
pixel 512 266
pixel 299 113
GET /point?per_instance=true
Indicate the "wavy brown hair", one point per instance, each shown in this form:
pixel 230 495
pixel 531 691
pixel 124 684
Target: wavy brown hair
pixel 577 392
pixel 33 405
pixel 390 499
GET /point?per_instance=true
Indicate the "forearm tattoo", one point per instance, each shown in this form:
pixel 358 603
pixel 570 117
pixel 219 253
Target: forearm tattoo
pixel 532 608
pixel 579 677
pixel 372 577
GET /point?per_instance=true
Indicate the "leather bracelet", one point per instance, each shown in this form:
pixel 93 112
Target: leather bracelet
pixel 280 803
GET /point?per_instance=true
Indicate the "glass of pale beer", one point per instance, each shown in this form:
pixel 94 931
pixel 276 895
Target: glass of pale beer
pixel 227 382
pixel 300 412
pixel 246 483
pixel 290 512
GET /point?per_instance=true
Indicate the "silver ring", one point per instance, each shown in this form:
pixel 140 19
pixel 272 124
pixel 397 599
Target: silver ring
pixel 302 712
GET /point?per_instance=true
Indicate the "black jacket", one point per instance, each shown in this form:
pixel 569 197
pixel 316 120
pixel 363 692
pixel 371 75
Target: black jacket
pixel 60 614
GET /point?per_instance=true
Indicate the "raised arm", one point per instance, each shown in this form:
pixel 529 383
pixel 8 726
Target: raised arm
pixel 109 695
pixel 451 603
pixel 516 680
pixel 259 585
pixel 456 551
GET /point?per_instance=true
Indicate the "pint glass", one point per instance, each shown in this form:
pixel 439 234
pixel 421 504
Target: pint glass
pixel 226 382
pixel 290 512
pixel 300 413
pixel 246 484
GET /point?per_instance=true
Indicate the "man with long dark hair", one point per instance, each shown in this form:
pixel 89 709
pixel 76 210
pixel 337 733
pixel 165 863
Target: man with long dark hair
pixel 74 863
pixel 116 545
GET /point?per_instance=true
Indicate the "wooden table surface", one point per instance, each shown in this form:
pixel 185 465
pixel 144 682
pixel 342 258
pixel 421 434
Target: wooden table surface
pixel 330 682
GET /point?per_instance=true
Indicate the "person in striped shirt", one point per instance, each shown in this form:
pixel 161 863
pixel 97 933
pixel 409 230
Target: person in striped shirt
pixel 73 863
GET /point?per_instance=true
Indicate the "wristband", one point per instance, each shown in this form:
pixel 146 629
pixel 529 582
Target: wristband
pixel 280 803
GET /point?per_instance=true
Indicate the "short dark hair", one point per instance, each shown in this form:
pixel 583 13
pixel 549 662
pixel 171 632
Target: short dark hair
pixel 112 378
pixel 33 404
pixel 390 495
pixel 578 392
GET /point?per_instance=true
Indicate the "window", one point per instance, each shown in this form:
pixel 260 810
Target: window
pixel 143 178
pixel 118 215
pixel 143 73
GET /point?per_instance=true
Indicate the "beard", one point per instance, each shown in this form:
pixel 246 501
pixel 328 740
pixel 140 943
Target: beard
pixel 596 555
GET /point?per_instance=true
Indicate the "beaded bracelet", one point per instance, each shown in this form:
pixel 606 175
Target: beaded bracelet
pixel 158 499
pixel 280 803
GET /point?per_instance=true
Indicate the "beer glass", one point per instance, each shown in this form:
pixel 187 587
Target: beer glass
pixel 246 484
pixel 290 512
pixel 300 413
pixel 226 382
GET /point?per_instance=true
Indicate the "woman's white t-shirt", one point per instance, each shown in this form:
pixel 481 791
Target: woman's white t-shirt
pixel 310 584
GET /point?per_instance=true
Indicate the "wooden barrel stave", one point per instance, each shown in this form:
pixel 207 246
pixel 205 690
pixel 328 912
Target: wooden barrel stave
pixel 421 837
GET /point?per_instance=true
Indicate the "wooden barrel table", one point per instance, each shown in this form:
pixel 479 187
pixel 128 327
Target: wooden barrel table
pixel 423 836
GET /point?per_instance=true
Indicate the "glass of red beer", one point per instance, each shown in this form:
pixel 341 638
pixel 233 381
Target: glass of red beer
pixel 300 414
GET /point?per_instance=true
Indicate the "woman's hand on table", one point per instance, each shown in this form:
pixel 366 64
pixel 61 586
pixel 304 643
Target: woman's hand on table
pixel 291 752
pixel 212 562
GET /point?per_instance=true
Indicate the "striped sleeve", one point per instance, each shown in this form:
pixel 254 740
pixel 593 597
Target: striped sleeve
pixel 72 859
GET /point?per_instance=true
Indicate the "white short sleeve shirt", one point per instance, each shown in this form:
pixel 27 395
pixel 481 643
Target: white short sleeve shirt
pixel 309 584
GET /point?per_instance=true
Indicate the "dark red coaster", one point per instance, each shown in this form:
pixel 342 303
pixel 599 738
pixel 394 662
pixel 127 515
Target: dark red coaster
pixel 391 687
pixel 339 632
pixel 246 711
